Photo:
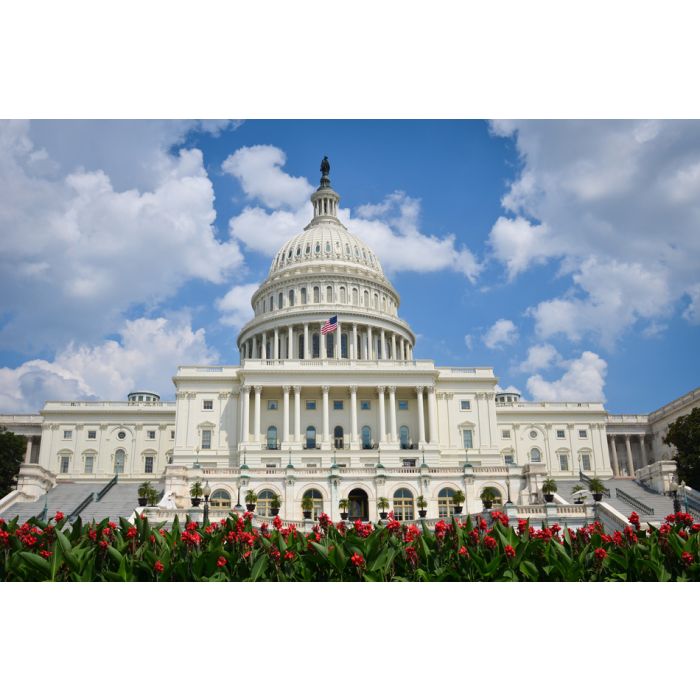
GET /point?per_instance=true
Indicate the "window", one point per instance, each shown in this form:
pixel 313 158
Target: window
pixel 338 437
pixel 508 459
pixel 561 434
pixel 583 433
pixel 446 507
pixel 535 455
pixel 311 438
pixel 404 436
pixel 365 405
pixel 89 463
pixel 208 405
pixel 280 300
pixel 586 462
pixel 272 438
pixel 317 498
pixel 311 405
pixel 468 442
pixel 303 295
pixel 206 439
pixel 403 405
pixel 317 295
pixel 315 345
pixel 329 295
pixel 337 405
pixel 365 298
pixel 366 434
pixel 65 463
pixel 148 464
pixel 151 434
pixel 172 434
pixel 403 504
pixel 264 503
pixel 121 434
pixel 291 297
pixel 67 434
pixel 505 434
pixel 220 499
pixel 564 462
pixel 272 405
pixel 92 434
pixel 465 405
pixel 343 299
pixel 355 297
pixel 330 344
pixel 119 459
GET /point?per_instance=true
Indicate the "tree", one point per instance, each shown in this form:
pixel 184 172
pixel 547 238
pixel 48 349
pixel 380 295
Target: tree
pixel 684 435
pixel 12 448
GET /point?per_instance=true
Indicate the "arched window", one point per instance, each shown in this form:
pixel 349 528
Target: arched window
pixel 365 298
pixel 446 507
pixel 298 251
pixel 338 437
pixel 308 249
pixel 264 308
pixel 317 295
pixel 330 344
pixel 220 499
pixel 119 460
pixel 315 345
pixel 317 498
pixel 375 301
pixel 355 297
pixel 272 302
pixel 404 436
pixel 344 345
pixel 535 455
pixel 317 249
pixel 383 303
pixel 264 502
pixel 366 433
pixel 291 297
pixel 329 295
pixel 272 438
pixel 343 298
pixel 300 347
pixel 403 504
pixel 328 247
pixel 310 438
pixel 303 295
pixel 280 300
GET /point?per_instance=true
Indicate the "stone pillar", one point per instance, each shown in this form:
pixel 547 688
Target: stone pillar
pixel 285 417
pixel 382 416
pixel 382 344
pixel 354 355
pixel 392 414
pixel 254 347
pixel 353 415
pixel 321 342
pixel 326 416
pixel 370 349
pixel 290 343
pixel 421 417
pixel 613 452
pixel 629 455
pixel 432 415
pixel 393 346
pixel 28 451
pixel 338 343
pixel 245 412
pixel 307 354
pixel 297 414
pixel 256 424
pixel 643 449
pixel 276 350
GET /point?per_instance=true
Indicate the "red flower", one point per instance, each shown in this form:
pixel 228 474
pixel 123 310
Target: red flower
pixel 634 519
pixel 45 553
pixel 687 558
pixel 277 522
pixel 600 554
pixel 106 532
pixel 221 562
pixel 158 566
pixel 490 542
pixel 393 525
pixel 510 552
pixel 131 533
pixel 357 560
pixel 92 534
pixel 192 525
pixel 412 555
pixel 289 555
pixel 103 544
pixel 4 537
pixel 275 554
pixel 59 516
pixel 463 551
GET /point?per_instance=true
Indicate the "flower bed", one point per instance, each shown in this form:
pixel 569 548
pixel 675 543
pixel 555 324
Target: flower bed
pixel 233 550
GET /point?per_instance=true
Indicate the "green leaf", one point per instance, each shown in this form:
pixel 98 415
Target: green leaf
pixel 529 570
pixel 67 551
pixel 259 567
pixel 37 563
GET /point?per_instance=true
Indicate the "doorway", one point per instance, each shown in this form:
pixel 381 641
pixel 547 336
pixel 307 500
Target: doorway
pixel 358 505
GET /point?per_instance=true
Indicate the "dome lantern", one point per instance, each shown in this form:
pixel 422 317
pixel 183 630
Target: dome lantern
pixel 325 199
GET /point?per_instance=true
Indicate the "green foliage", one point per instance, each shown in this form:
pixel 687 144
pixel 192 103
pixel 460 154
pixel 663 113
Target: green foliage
pixel 684 435
pixel 549 486
pixel 343 504
pixel 382 504
pixel 421 502
pixel 307 504
pixel 596 486
pixel 12 449
pixel 488 493
pixel 251 497
pixel 275 502
pixel 458 498
pixel 196 490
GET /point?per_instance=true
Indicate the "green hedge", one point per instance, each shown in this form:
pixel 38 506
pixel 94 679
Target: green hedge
pixel 233 550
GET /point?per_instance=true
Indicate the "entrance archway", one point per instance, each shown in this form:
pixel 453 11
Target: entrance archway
pixel 358 505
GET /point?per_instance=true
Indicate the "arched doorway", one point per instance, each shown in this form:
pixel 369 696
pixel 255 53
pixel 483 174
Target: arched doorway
pixel 358 505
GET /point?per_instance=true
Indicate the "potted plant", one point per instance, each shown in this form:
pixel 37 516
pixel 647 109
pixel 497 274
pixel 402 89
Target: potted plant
pixel 196 493
pixel 152 496
pixel 422 505
pixel 595 486
pixel 144 490
pixel 275 504
pixel 250 500
pixel 549 488
pixel 576 491
pixel 457 499
pixel 488 494
pixel 343 504
pixel 307 506
pixel 382 505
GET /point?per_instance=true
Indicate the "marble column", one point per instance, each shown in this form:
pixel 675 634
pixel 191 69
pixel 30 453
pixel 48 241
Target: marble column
pixel 613 452
pixel 370 349
pixel 285 416
pixel 264 346
pixel 297 414
pixel 382 341
pixel 353 415
pixel 326 416
pixel 338 343
pixel 643 449
pixel 421 417
pixel 432 415
pixel 354 355
pixel 307 354
pixel 629 455
pixel 276 350
pixel 245 412
pixel 393 346
pixel 392 414
pixel 321 342
pixel 256 424
pixel 28 451
pixel 290 343
pixel 382 416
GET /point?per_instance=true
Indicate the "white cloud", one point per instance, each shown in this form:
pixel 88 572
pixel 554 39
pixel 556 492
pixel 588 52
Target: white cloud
pixel 469 341
pixel 583 380
pixel 145 357
pixel 616 205
pixel 510 389
pixel 78 253
pixel 235 306
pixel 503 332
pixel 692 312
pixel 390 227
pixel 539 357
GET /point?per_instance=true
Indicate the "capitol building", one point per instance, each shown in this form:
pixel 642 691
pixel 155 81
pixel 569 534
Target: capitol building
pixel 331 403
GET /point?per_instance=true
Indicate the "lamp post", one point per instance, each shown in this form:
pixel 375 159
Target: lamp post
pixel 685 497
pixel 196 464
pixel 206 492
pixel 676 500
pixel 238 508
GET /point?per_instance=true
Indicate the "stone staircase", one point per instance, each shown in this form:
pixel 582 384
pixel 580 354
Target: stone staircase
pixel 119 502
pixel 66 497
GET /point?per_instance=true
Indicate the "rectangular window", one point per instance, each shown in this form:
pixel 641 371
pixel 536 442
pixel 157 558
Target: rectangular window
pixel 560 434
pixel 505 434
pixel 583 433
pixel 403 405
pixel 151 434
pixel 92 434
pixel 465 405
pixel 468 443
pixel 586 462
pixel 65 462
pixel 148 465
pixel 89 464
pixel 67 434
pixel 365 405
pixel 208 404
pixel 508 459
pixel 337 405
pixel 206 439
pixel 272 405
pixel 172 434
pixel 564 462
pixel 311 405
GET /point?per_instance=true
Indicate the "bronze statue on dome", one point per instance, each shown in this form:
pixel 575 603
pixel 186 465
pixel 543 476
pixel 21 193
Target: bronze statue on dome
pixel 325 166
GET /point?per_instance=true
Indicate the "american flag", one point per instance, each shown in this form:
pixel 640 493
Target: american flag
pixel 330 325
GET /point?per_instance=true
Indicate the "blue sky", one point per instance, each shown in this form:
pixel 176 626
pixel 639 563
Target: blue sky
pixel 563 254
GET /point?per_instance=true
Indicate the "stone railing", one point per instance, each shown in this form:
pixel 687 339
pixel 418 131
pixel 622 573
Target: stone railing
pixel 54 405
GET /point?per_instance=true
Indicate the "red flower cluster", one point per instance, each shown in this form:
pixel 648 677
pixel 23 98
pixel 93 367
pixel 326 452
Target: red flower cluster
pixel 277 522
pixel 634 519
pixel 410 533
pixel 289 555
pixel 463 551
pixel 324 521
pixel 600 554
pixel 131 533
pixel 358 560
pixel 158 567
pixel 363 529
pixel 510 552
pixel 221 562
pixel 501 517
pixel 59 516
pixel 191 537
pixel 412 556
pixel 687 558
pixel 490 542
